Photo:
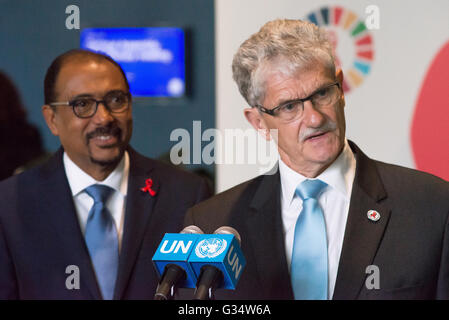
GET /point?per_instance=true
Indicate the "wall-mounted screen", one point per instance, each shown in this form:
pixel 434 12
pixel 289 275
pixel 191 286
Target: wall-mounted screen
pixel 152 58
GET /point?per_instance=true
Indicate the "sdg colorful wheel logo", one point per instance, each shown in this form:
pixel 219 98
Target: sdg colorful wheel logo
pixel 352 42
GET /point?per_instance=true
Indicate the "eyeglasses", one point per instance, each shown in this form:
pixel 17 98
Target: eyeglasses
pixel 86 107
pixel 292 110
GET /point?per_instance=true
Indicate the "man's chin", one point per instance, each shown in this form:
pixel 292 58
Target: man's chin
pixel 107 158
pixel 106 162
pixel 324 157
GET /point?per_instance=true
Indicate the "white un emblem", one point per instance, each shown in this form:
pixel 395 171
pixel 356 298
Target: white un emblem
pixel 210 248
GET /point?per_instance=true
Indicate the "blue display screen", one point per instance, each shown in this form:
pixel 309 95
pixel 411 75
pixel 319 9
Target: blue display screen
pixel 152 58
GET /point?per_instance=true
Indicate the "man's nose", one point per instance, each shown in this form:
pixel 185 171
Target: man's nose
pixel 103 114
pixel 312 116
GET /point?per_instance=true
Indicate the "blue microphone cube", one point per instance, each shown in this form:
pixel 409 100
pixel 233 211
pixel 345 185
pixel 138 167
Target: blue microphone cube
pixel 175 248
pixel 222 251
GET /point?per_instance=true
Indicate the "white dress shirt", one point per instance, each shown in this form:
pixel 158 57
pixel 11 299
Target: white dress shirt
pixel 117 180
pixel 334 201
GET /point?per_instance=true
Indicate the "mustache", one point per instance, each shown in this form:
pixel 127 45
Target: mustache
pixel 309 132
pixel 111 130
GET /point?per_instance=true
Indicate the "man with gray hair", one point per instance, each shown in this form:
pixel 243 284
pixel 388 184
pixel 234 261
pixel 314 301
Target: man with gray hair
pixel 331 223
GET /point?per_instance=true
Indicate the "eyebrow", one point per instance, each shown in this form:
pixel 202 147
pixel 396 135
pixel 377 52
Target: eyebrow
pixel 83 95
pixel 90 95
pixel 284 102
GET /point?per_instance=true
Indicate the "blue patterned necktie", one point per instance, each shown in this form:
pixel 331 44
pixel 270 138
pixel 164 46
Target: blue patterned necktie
pixel 102 240
pixel 309 257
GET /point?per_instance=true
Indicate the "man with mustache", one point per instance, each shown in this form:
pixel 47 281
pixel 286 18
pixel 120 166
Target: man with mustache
pixel 86 224
pixel 331 223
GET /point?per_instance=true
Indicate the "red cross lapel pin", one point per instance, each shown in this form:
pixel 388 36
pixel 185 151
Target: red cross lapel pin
pixel 373 215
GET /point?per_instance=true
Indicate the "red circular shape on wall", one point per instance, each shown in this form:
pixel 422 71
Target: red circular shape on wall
pixel 430 124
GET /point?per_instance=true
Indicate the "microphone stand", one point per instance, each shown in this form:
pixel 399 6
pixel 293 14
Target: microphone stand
pixel 210 278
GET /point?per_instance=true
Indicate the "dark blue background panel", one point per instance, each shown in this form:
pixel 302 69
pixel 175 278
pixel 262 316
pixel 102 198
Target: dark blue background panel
pixel 153 58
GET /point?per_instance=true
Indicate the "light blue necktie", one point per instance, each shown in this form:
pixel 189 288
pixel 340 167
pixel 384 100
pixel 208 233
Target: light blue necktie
pixel 309 257
pixel 102 240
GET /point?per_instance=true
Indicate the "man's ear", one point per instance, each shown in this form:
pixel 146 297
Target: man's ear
pixel 50 118
pixel 339 76
pixel 256 120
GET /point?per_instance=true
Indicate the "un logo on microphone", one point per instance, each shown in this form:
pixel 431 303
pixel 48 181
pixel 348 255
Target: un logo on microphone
pixel 210 248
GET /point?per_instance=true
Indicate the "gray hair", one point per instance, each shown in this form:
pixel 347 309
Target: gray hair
pixel 290 44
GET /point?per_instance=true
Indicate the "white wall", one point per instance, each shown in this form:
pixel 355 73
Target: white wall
pixel 379 111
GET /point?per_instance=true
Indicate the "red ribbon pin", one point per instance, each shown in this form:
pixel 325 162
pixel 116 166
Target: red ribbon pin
pixel 149 184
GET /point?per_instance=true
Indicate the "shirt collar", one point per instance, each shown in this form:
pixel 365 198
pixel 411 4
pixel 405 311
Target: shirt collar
pixel 339 175
pixel 80 180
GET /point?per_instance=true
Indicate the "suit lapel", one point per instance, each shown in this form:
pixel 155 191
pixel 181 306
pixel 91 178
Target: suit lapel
pixel 267 242
pixel 362 236
pixel 139 208
pixel 58 207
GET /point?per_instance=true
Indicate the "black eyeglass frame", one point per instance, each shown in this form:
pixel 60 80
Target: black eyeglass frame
pixel 97 102
pixel 271 112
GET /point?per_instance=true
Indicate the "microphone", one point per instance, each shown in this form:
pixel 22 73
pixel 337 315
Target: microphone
pixel 170 261
pixel 218 262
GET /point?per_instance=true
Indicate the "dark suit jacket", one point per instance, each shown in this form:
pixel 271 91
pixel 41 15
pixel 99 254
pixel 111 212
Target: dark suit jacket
pixel 40 235
pixel 409 243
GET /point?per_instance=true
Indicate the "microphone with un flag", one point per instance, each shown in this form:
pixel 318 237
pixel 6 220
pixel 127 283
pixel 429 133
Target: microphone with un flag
pixel 217 261
pixel 191 259
pixel 170 261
